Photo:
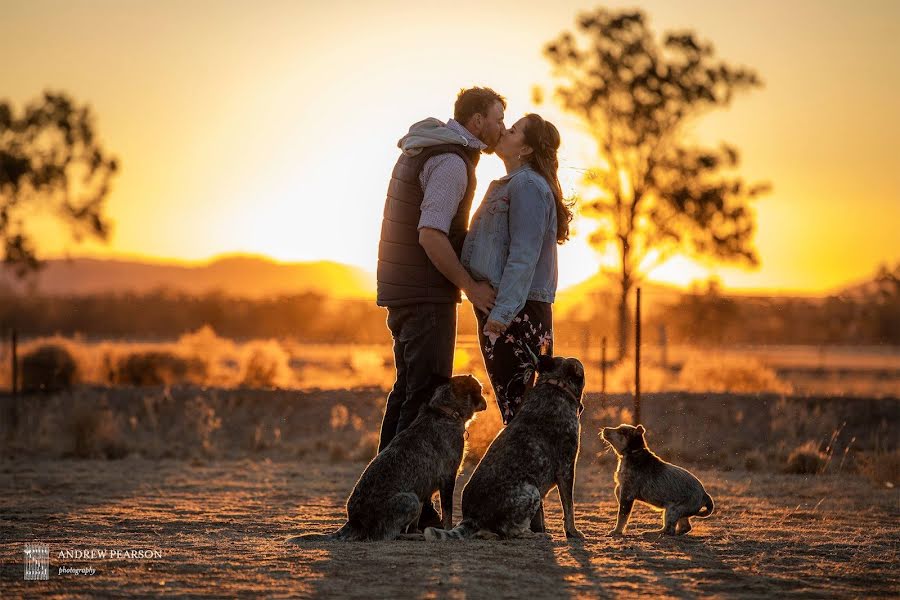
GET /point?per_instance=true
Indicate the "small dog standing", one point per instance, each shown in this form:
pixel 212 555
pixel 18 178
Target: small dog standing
pixel 643 476
pixel 536 452
pixel 420 460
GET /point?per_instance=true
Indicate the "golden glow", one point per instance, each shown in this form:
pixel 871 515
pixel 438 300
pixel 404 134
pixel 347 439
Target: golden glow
pixel 271 128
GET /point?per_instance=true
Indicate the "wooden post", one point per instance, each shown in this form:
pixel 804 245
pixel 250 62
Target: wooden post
pixel 15 364
pixel 637 359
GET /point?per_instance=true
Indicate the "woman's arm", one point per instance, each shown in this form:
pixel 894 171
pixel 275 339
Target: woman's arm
pixel 528 219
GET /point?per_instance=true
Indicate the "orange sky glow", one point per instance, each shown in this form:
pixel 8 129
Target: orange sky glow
pixel 271 127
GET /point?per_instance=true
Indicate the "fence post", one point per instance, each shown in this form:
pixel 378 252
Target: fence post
pixel 637 359
pixel 15 364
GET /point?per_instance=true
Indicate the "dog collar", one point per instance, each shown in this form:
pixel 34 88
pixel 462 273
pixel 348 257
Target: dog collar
pixel 559 383
pixel 453 414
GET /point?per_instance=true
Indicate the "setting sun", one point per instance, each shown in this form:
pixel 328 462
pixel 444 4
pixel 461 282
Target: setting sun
pixel 270 134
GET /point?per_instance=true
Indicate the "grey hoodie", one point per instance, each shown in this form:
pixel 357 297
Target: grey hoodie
pixel 429 132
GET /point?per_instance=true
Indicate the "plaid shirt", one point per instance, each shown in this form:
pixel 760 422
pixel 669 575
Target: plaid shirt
pixel 444 181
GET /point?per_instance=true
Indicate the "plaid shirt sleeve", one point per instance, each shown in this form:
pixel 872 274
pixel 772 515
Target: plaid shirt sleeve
pixel 444 180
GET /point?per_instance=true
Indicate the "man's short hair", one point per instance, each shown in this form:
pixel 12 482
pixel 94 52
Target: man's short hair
pixel 475 100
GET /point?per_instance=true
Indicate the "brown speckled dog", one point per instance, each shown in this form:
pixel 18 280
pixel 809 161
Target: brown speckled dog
pixel 422 459
pixel 643 476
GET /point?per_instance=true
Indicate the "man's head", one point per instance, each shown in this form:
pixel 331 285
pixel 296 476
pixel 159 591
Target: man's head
pixel 480 110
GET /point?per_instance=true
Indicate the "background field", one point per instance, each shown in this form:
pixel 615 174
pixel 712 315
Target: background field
pixel 217 478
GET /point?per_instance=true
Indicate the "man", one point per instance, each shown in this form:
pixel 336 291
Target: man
pixel 426 216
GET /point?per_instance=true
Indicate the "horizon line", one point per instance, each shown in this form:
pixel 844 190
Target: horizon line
pixel 157 260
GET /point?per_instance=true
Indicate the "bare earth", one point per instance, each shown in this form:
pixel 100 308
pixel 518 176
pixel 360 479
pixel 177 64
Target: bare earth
pixel 220 526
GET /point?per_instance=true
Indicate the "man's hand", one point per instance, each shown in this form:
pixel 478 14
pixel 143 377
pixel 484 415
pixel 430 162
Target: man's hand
pixel 493 327
pixel 481 295
pixel 440 252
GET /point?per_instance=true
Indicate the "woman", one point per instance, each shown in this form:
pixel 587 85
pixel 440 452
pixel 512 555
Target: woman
pixel 512 244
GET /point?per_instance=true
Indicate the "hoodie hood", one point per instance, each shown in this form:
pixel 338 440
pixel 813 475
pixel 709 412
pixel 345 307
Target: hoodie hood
pixel 426 133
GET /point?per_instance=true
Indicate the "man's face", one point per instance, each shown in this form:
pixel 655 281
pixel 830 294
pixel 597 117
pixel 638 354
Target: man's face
pixel 492 127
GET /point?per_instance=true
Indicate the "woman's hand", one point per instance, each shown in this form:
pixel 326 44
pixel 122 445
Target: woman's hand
pixel 493 327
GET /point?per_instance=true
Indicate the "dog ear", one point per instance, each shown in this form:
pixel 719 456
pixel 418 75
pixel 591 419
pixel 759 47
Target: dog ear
pixel 641 430
pixel 544 363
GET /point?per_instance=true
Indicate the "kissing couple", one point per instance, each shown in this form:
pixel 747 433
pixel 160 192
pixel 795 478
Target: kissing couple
pixel 505 260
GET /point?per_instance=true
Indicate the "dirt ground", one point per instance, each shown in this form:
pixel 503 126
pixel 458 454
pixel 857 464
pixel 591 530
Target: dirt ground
pixel 220 524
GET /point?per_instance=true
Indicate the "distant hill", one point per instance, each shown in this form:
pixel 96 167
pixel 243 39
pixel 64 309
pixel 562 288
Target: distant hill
pixel 241 276
pixel 604 287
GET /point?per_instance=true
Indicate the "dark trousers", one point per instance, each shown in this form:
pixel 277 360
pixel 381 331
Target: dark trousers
pixel 508 357
pixel 424 339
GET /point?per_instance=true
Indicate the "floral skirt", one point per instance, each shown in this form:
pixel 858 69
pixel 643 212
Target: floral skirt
pixel 510 356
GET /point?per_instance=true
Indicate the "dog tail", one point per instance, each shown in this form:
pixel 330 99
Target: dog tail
pixel 708 505
pixel 465 529
pixel 344 533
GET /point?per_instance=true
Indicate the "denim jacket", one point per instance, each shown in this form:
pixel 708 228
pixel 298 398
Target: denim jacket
pixel 512 242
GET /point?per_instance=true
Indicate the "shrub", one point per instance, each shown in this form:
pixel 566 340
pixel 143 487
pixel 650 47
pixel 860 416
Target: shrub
pixel 806 460
pixel 158 367
pixel 48 368
pixel 266 365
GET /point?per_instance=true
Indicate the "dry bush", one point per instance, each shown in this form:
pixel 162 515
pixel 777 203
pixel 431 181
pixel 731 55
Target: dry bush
pixel 222 356
pixel 729 374
pixel 158 367
pixel 807 459
pixel 266 364
pixel 48 368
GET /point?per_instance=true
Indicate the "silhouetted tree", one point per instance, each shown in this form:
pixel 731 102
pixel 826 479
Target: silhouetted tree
pixel 50 160
pixel 655 193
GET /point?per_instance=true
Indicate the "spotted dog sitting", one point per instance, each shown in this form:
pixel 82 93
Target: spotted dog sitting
pixel 422 459
pixel 535 453
pixel 643 476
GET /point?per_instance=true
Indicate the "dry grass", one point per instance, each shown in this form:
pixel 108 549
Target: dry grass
pixel 217 478
pixel 204 358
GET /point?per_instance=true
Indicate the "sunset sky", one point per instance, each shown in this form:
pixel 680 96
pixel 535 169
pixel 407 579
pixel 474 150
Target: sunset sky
pixel 271 127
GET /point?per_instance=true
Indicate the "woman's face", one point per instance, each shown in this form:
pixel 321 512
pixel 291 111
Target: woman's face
pixel 512 144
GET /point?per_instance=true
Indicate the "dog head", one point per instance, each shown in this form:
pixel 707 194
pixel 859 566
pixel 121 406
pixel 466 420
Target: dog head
pixel 624 438
pixel 569 371
pixel 461 393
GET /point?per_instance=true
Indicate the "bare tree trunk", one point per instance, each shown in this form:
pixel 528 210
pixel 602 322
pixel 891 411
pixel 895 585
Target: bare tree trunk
pixel 624 318
pixel 626 284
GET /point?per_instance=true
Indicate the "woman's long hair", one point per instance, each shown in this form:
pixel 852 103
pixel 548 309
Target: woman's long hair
pixel 543 137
